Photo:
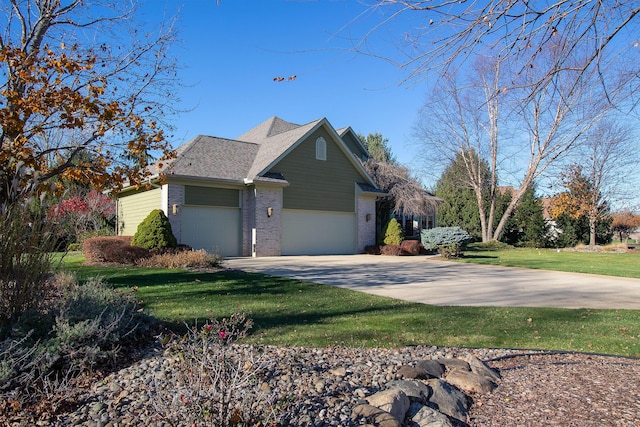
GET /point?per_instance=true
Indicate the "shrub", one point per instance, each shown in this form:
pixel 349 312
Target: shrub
pixel 372 250
pixel 116 249
pixel 393 250
pixel 87 325
pixel 182 259
pixel 437 237
pixel 450 250
pixel 392 233
pixel 213 381
pixel 154 232
pixel 26 245
pixel 411 247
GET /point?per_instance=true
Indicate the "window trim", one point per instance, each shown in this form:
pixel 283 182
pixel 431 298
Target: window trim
pixel 321 149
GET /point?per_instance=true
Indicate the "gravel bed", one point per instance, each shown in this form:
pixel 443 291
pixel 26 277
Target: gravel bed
pixel 322 385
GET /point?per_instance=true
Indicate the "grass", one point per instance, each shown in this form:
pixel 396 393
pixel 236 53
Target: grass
pixel 297 313
pixel 606 263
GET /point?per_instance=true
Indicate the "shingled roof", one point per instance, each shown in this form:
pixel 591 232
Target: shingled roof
pixel 247 158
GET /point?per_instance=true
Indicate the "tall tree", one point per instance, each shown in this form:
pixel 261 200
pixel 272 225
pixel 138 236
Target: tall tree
pixel 582 199
pixel 405 194
pixel 441 36
pixel 460 207
pixel 490 127
pixel 624 223
pixel 378 147
pixel 80 77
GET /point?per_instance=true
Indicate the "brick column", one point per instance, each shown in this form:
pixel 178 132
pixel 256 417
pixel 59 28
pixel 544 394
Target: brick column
pixel 173 194
pixel 366 219
pixel 268 228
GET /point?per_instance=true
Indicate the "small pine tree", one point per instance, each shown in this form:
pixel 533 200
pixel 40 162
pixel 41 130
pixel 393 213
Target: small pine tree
pixel 154 232
pixel 392 233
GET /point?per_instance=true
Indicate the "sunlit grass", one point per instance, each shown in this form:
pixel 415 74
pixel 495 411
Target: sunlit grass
pixel 606 263
pixel 296 313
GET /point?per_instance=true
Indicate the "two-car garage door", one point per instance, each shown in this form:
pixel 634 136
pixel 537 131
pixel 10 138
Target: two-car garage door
pixel 318 233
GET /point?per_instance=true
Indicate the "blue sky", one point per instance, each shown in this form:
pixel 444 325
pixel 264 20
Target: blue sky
pixel 232 52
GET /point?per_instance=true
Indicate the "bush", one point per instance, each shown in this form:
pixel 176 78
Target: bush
pixel 450 250
pixel 392 233
pixel 372 250
pixel 393 250
pixel 154 232
pixel 87 325
pixel 213 381
pixel 437 237
pixel 26 245
pixel 116 249
pixel 411 247
pixel 182 259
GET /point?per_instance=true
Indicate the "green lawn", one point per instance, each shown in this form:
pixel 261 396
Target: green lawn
pixel 296 313
pixel 607 263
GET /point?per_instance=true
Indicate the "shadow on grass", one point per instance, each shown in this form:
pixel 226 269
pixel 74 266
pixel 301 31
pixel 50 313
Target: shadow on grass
pixel 468 255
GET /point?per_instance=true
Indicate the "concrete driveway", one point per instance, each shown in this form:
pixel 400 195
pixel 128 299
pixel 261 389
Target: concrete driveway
pixel 430 280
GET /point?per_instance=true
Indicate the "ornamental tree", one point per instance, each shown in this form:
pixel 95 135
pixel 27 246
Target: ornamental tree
pixel 77 77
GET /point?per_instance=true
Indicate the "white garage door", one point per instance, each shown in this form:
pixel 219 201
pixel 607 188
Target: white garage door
pixel 318 233
pixel 214 229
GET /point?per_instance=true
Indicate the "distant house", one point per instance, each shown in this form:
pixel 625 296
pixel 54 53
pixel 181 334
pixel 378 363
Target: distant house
pixel 278 189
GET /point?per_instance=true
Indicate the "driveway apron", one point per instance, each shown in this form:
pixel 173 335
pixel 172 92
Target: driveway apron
pixel 429 280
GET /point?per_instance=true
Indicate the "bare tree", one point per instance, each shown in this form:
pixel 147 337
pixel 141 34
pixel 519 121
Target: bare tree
pixel 608 154
pixel 486 125
pixel 442 35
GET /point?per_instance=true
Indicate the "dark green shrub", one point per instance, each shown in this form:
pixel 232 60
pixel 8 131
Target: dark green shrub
pixel 392 233
pixel 435 238
pixel 154 232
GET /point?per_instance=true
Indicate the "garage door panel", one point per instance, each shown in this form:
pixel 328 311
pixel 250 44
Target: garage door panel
pixel 216 230
pixel 318 233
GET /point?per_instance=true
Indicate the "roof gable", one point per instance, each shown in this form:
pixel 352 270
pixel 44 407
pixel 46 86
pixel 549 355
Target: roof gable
pixel 252 156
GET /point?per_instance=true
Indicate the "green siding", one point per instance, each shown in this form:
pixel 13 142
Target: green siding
pixel 135 207
pixel 324 185
pixel 207 196
pixel 354 146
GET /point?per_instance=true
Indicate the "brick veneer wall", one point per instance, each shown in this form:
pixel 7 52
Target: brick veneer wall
pixel 366 229
pixel 173 194
pixel 268 229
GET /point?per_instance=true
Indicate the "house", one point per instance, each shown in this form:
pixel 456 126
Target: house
pixel 278 189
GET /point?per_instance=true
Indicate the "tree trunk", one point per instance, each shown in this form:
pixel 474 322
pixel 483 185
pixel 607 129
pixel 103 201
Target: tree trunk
pixel 592 230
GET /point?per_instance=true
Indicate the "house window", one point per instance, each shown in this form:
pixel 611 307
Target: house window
pixel 321 149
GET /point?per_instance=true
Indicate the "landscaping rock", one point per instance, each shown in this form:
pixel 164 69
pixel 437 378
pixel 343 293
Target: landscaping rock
pixel 481 368
pixel 394 401
pixel 425 416
pixel 416 391
pixel 470 382
pixel 431 367
pixel 411 373
pixel 321 387
pixel 455 363
pixel 376 416
pixel 448 399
